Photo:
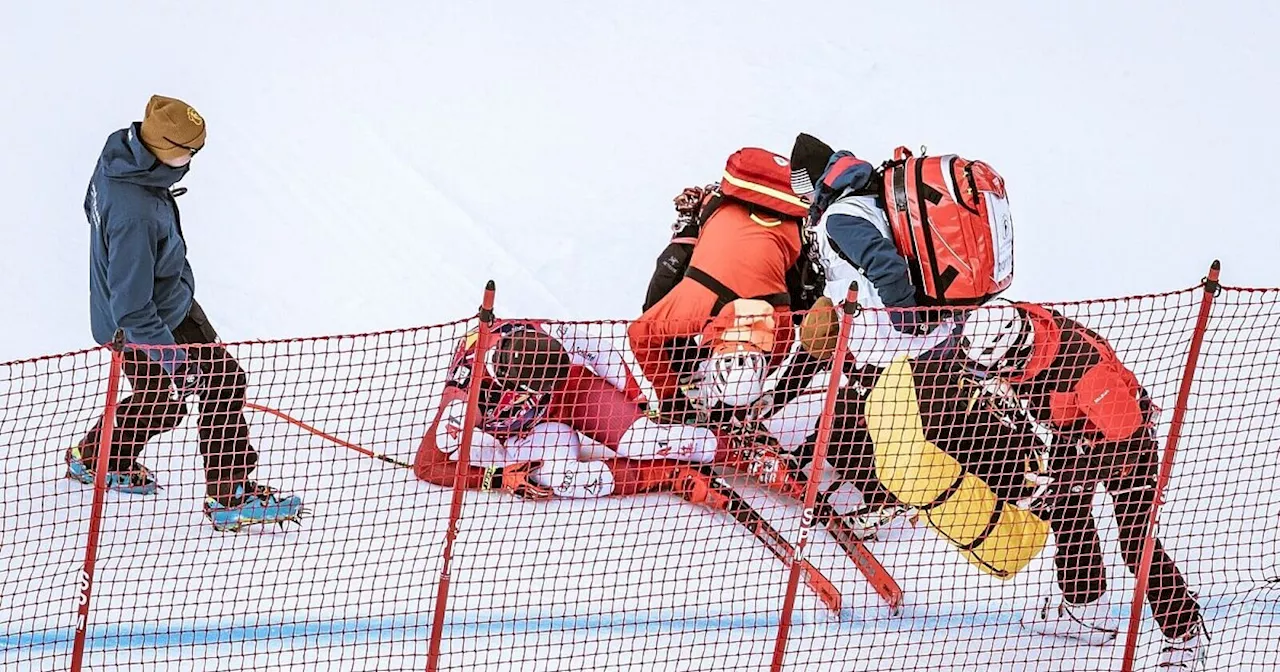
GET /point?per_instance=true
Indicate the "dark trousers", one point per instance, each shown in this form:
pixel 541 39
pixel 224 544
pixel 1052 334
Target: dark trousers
pixel 996 452
pixel 153 408
pixel 1081 571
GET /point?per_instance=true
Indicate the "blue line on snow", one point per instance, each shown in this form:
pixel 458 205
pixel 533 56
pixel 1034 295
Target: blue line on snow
pixel 195 633
pixel 349 631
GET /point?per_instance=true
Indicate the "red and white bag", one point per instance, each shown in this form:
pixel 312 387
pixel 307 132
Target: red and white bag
pixel 763 179
pixel 950 219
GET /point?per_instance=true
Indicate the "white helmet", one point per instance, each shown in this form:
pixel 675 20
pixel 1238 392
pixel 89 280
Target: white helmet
pixel 734 378
pixel 995 334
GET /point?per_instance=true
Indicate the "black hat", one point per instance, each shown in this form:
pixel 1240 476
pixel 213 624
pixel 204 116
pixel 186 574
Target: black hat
pixel 809 157
pixel 530 359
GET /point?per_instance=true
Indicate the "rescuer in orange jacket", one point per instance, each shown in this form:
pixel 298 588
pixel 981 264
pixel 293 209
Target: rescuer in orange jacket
pixel 746 244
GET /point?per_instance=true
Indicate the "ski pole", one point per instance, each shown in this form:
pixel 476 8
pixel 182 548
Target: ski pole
pixel 326 436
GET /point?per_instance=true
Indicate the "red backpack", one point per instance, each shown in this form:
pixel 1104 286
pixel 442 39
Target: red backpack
pixel 950 219
pixel 762 179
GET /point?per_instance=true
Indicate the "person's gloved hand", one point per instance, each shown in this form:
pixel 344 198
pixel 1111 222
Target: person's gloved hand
pixel 912 321
pixel 688 204
pixel 673 410
pixel 820 328
pixel 186 380
pixel 688 200
pixel 764 407
pixel 516 479
pixel 690 388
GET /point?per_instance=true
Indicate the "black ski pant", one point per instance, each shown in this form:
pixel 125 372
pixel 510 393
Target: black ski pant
pixel 997 452
pixel 153 408
pixel 1080 568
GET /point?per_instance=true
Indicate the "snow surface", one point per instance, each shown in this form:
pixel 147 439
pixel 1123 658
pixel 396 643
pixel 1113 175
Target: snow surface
pixel 369 167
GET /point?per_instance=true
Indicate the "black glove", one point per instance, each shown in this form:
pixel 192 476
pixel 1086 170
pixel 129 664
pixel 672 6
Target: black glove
pixel 186 380
pixel 676 409
pixel 688 203
pixel 516 479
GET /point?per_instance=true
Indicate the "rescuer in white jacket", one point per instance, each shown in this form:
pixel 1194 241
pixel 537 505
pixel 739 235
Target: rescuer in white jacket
pixel 853 241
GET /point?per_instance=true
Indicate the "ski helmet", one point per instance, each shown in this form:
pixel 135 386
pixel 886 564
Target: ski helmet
pixel 734 378
pixel 527 358
pixel 741 339
pixel 996 335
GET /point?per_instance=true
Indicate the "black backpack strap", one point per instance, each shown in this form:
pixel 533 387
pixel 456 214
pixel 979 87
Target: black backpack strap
pixel 777 299
pixel 709 209
pixel 724 295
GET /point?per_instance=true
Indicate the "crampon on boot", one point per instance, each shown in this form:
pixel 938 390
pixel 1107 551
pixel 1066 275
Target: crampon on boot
pixel 252 504
pixel 137 480
pixel 866 521
pixel 1187 653
pixel 1093 623
pixel 772 469
pixel 694 486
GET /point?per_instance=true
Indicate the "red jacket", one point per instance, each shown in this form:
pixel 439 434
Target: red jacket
pixel 1077 384
pixel 746 253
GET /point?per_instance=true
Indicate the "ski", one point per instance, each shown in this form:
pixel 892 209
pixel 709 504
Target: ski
pixel 880 579
pixel 747 515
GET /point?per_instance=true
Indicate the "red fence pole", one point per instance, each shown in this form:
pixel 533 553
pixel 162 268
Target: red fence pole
pixel 460 476
pixel 1211 288
pixel 811 489
pixel 102 459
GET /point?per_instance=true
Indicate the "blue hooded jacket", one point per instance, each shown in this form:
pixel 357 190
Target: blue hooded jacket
pixel 139 278
pixel 859 241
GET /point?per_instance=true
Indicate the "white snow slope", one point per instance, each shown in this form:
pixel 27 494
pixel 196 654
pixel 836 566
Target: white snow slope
pixel 369 167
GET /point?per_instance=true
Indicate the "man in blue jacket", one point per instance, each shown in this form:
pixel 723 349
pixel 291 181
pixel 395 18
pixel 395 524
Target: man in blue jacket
pixel 853 240
pixel 140 283
pixel 851 229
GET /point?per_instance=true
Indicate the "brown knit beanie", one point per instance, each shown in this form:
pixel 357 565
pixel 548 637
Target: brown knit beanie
pixel 171 128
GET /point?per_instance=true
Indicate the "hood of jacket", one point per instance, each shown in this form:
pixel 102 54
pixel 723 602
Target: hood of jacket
pixel 125 158
pixel 844 172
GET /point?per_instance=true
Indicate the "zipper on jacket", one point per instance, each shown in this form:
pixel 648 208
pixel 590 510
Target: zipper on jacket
pixel 177 218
